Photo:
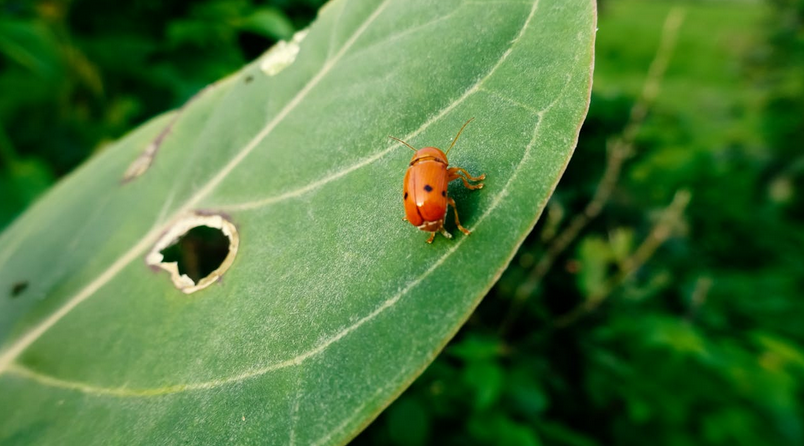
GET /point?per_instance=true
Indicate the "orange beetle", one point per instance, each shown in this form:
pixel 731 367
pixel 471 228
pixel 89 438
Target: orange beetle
pixel 425 188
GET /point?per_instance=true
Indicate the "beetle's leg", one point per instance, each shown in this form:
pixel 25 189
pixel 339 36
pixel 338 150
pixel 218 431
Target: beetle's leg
pixel 454 173
pixel 468 176
pixel 445 233
pixel 432 236
pixel 457 222
pixel 467 184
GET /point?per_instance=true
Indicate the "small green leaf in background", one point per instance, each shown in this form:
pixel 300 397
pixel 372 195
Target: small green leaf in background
pixel 498 430
pixel 595 258
pixel 485 378
pixel 408 422
pixel 476 348
pixel 525 393
pixel 269 22
pixel 327 305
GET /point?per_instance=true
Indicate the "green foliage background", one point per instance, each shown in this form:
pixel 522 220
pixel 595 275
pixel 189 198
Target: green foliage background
pixel 703 344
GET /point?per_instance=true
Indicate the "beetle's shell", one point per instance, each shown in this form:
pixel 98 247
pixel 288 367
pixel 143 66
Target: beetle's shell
pixel 425 189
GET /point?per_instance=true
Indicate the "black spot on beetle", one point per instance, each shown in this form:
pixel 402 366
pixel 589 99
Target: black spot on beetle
pixel 428 188
pixel 443 193
pixel 406 196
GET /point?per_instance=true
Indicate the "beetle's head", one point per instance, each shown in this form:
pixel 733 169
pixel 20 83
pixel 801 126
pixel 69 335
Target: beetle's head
pixel 429 153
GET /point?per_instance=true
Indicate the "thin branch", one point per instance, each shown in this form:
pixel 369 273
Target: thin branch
pixel 552 221
pixel 699 293
pixel 619 149
pixel 662 230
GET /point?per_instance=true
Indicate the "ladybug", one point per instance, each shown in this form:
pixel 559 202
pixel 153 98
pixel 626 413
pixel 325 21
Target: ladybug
pixel 425 188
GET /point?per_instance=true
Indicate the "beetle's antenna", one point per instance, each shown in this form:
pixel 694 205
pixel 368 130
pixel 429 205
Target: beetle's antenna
pixel 459 134
pixel 403 142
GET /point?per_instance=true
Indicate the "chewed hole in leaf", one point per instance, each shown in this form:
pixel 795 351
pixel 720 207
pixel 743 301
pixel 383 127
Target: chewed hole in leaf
pixel 18 288
pixel 196 251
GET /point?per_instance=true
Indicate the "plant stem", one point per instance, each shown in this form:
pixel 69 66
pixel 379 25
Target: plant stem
pixel 661 231
pixel 619 149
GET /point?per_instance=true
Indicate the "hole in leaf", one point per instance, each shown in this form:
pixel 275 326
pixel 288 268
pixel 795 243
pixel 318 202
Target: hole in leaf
pixel 196 251
pixel 19 288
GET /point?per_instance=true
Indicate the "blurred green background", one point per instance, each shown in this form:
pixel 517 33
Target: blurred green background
pixel 651 320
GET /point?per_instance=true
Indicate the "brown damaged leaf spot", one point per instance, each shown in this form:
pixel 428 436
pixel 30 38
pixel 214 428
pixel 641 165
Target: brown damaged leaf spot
pixel 156 257
pixel 141 164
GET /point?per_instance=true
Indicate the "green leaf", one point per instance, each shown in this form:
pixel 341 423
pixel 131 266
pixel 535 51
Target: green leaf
pixel 408 423
pixel 327 305
pixel 269 22
pixel 595 257
pixel 562 435
pixel 621 244
pixel 486 380
pixel 32 45
pixel 525 392
pixel 476 348
pixel 495 428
